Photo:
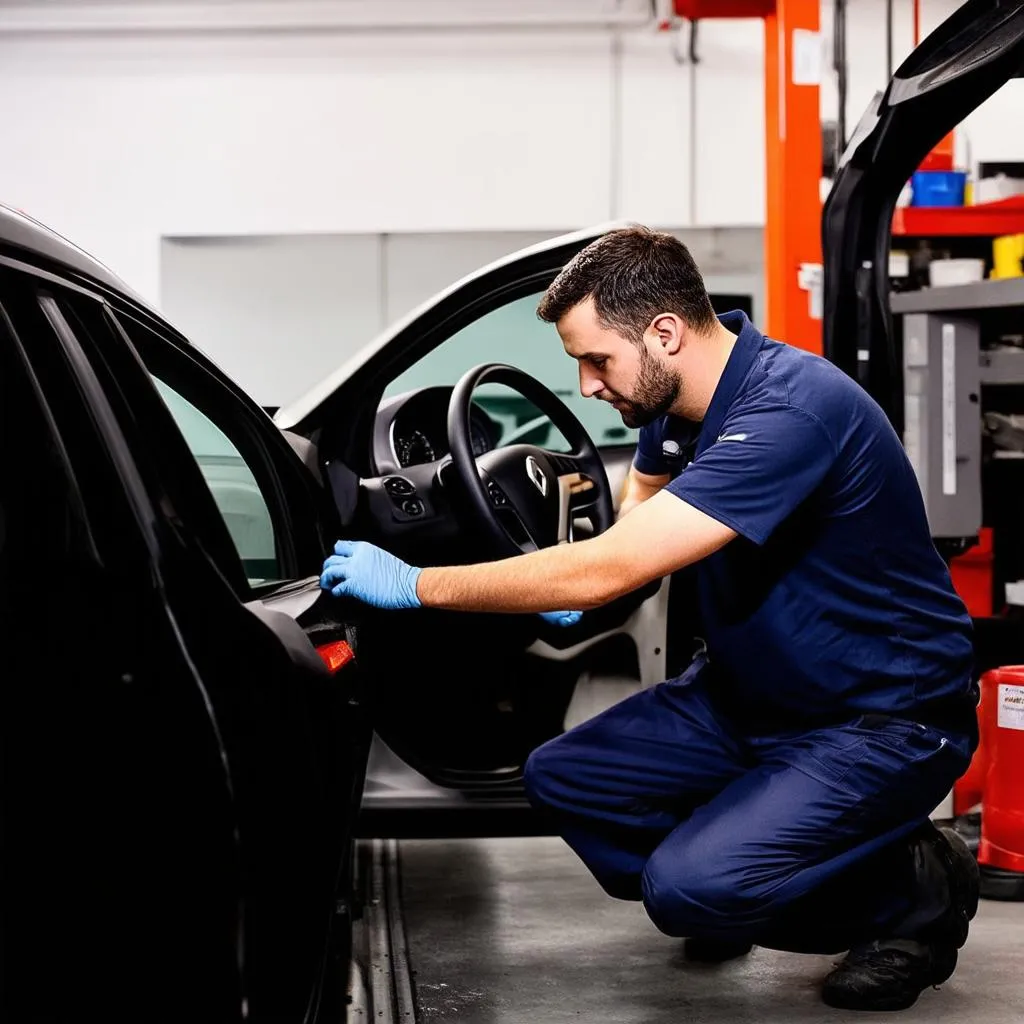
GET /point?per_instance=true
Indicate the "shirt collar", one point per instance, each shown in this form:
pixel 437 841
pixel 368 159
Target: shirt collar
pixel 748 344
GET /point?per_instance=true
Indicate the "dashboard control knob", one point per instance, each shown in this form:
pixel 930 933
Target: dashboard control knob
pixel 396 485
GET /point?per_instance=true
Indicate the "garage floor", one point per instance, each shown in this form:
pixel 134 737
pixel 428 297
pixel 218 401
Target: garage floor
pixel 516 930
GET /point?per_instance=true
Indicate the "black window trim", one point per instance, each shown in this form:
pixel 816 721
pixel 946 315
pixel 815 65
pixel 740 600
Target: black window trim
pixel 179 369
pixel 173 478
pixel 310 521
pixel 106 423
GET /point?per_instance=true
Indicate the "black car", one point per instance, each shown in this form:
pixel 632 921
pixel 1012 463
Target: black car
pixel 193 734
pixel 187 717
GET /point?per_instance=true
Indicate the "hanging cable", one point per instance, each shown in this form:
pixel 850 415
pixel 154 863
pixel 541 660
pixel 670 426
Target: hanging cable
pixel 888 40
pixel 839 66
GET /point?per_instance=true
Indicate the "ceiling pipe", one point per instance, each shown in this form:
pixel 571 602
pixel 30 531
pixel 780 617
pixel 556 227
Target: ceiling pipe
pixel 334 16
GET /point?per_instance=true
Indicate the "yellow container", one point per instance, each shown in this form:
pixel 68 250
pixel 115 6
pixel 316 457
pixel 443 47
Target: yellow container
pixel 1008 256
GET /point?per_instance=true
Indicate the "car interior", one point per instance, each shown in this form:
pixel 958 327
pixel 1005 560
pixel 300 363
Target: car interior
pixel 467 697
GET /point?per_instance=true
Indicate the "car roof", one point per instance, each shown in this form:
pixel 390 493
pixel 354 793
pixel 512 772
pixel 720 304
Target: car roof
pixel 42 245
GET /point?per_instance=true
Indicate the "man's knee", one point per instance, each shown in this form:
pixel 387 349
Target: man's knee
pixel 686 894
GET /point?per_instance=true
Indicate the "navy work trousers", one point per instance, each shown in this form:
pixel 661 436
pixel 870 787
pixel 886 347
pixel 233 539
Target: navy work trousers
pixel 795 842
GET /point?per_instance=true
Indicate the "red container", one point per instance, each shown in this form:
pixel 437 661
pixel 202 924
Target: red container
pixel 969 789
pixel 1002 819
pixel 972 575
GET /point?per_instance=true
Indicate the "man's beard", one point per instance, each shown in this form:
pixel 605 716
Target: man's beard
pixel 654 393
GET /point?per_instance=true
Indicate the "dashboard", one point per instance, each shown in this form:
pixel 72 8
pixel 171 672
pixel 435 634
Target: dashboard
pixel 412 430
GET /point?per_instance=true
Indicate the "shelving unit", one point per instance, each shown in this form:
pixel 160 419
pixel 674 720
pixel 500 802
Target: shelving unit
pixel 1004 217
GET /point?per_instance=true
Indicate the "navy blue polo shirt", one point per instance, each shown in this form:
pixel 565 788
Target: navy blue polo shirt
pixel 833 600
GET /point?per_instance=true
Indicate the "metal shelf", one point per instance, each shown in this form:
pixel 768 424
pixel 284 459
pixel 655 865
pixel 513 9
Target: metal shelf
pixel 999 294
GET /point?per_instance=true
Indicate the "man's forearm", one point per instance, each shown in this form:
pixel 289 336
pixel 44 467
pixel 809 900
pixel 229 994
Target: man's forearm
pixel 570 576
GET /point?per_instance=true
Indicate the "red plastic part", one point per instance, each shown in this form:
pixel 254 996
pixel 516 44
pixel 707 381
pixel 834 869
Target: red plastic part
pixel 941 157
pixel 336 655
pixel 972 575
pixel 1002 819
pixel 969 790
pixel 694 9
pixel 1003 217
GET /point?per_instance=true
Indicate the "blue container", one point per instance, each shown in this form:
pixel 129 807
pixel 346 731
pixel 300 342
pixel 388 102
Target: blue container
pixel 938 188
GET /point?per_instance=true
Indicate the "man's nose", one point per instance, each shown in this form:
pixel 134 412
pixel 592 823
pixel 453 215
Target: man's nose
pixel 590 384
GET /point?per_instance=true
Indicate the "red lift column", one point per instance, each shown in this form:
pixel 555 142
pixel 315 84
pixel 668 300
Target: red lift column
pixel 792 70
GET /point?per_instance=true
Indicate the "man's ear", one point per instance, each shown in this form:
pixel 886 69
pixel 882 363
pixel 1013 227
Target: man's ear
pixel 666 332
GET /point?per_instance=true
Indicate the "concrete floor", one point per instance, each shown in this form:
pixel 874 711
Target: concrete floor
pixel 515 931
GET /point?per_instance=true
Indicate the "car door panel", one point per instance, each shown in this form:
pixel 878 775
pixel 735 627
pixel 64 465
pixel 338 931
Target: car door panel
pixel 120 847
pixel 291 731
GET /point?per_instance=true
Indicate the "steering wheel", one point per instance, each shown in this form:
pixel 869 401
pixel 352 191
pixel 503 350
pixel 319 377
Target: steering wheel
pixel 524 497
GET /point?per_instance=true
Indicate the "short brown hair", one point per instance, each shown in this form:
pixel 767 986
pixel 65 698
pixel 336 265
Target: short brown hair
pixel 632 274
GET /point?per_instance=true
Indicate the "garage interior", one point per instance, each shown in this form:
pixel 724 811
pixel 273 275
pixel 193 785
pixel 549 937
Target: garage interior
pixel 288 180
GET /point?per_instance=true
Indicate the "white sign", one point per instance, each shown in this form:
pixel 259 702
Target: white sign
pixel 806 57
pixel 948 409
pixel 1011 707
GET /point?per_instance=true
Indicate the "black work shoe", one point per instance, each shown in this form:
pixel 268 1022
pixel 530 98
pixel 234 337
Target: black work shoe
pixel 714 951
pixel 891 974
pixel 888 975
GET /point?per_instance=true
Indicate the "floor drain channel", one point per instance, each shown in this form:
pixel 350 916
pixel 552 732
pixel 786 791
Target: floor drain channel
pixel 388 976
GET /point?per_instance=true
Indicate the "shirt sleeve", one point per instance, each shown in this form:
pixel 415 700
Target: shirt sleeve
pixel 763 465
pixel 649 457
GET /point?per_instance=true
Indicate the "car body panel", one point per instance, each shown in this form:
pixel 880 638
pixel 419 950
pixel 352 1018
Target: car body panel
pixel 290 737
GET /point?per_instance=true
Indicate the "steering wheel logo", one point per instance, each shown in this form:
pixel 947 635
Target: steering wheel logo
pixel 536 475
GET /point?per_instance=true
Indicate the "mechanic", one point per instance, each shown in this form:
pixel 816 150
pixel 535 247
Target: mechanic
pixel 779 791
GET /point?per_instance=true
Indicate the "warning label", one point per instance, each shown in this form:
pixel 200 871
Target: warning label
pixel 1011 707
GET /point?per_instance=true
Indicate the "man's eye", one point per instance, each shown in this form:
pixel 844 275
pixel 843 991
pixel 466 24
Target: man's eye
pixel 598 364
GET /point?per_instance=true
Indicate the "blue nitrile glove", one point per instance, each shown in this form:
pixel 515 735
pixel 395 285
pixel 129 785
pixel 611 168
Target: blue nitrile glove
pixel 561 618
pixel 370 574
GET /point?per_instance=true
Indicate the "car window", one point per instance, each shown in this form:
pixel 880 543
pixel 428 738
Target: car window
pixel 514 334
pixel 232 483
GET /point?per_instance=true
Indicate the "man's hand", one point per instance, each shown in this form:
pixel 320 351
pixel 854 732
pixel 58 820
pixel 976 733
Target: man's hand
pixel 375 577
pixel 371 575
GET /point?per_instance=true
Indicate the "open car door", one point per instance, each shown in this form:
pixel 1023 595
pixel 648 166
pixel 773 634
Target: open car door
pixel 959 66
pixel 402 431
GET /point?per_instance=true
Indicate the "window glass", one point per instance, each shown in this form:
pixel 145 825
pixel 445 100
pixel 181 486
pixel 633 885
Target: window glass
pixel 232 484
pixel 514 334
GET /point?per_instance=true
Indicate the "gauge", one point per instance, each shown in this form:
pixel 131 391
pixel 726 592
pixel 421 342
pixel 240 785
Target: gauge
pixel 478 438
pixel 414 449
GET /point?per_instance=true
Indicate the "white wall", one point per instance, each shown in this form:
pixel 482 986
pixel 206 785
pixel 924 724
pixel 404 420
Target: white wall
pixel 119 140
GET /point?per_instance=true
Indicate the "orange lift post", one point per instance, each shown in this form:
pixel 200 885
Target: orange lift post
pixel 793 159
